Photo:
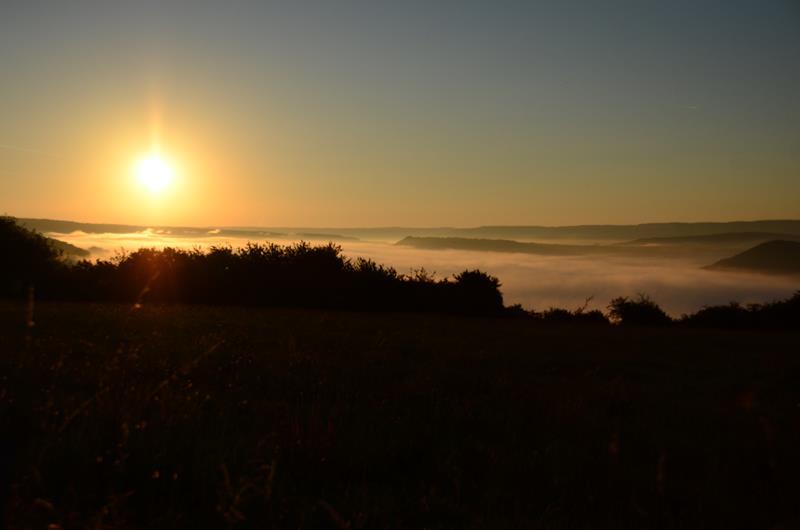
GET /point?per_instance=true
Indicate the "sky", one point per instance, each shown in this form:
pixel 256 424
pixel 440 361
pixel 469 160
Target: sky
pixel 401 113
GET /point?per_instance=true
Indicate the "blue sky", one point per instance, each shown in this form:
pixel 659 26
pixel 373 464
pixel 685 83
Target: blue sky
pixel 415 113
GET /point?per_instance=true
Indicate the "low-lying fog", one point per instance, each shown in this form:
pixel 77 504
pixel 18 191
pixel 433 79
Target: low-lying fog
pixel 678 284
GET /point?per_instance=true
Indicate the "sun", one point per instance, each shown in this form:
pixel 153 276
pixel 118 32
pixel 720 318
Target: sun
pixel 154 173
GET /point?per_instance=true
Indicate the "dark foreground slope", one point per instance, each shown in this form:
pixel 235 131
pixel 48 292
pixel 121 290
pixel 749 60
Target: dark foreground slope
pixel 772 257
pixel 195 417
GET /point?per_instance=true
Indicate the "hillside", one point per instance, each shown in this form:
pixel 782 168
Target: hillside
pixel 66 227
pixel 600 233
pixel 726 239
pixel 632 249
pixel 772 257
pixel 68 249
pixel 200 417
pixel 494 245
pixel 622 233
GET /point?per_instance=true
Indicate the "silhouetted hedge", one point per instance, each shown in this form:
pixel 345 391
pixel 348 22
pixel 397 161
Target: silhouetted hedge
pixel 557 314
pixel 298 275
pixel 580 315
pixel 640 311
pixel 301 275
pixel 781 313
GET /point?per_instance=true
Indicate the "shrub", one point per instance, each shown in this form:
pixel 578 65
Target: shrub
pixel 782 313
pixel 476 292
pixel 732 315
pixel 641 311
pixel 580 315
pixel 595 316
pixel 557 314
pixel 777 314
pixel 517 311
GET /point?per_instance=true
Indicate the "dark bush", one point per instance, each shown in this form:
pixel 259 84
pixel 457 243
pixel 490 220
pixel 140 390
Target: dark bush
pixel 732 315
pixel 517 311
pixel 580 315
pixel 556 314
pixel 641 311
pixel 476 292
pixel 595 316
pixel 782 313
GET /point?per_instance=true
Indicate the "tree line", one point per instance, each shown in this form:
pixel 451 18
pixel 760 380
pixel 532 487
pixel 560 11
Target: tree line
pixel 307 276
pixel 297 275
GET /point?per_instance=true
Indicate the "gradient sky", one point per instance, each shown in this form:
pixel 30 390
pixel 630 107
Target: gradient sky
pixel 402 113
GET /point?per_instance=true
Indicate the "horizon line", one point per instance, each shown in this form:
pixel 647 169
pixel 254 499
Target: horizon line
pixel 396 227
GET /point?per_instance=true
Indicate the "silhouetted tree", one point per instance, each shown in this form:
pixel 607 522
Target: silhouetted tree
pixel 477 292
pixel 27 259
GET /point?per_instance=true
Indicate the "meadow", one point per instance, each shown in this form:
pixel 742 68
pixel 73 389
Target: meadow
pixel 174 416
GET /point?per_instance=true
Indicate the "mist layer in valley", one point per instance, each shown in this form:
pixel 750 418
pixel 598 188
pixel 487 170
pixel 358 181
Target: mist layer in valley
pixel 675 278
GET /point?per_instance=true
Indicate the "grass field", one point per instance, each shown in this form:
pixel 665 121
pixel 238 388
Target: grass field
pixel 195 417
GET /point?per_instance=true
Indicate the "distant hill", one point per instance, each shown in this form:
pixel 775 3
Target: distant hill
pixel 494 245
pixel 325 236
pixel 600 233
pixel 700 249
pixel 732 238
pixel 772 257
pixel 628 232
pixel 69 250
pixel 67 227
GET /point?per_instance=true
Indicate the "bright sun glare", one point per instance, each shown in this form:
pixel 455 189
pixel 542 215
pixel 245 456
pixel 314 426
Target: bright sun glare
pixel 154 173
